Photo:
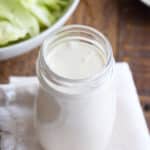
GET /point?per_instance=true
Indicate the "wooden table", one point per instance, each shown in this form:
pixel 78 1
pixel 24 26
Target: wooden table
pixel 127 25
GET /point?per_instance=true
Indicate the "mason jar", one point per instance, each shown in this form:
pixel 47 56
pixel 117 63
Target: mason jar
pixel 75 109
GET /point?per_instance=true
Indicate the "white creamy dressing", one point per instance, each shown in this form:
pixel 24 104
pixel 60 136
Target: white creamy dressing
pixel 75 60
pixel 76 123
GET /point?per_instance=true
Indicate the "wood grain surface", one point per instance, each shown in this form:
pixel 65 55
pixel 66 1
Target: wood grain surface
pixel 134 47
pixel 127 25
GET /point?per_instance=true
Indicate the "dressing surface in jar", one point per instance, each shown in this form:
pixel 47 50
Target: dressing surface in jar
pixel 76 105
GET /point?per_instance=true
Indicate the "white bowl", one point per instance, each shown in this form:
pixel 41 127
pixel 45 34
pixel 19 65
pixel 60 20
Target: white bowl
pixel 30 44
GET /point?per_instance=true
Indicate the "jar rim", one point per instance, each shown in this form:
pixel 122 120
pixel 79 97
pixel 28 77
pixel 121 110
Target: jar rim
pixel 82 28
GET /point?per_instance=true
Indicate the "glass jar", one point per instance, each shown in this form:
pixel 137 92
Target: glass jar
pixel 75 114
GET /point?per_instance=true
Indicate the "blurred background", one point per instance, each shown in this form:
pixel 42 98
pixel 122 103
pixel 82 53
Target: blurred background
pixel 127 25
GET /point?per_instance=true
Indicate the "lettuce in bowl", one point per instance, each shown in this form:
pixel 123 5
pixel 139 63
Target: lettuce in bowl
pixel 23 19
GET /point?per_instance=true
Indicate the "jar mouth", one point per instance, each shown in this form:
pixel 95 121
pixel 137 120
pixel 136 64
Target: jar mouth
pixel 80 32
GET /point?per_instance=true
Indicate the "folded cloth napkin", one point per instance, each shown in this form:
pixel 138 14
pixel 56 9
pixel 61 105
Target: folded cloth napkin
pixel 16 114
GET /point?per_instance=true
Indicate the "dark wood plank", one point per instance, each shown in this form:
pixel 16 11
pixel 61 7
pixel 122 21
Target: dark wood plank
pixel 20 66
pixel 147 116
pixel 134 46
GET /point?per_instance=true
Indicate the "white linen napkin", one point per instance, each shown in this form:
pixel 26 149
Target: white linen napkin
pixel 16 114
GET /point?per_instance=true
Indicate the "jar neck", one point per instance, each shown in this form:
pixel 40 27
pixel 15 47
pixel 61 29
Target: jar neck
pixel 53 82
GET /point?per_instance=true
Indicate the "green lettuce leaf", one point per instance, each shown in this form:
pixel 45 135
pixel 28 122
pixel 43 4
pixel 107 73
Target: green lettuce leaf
pixel 22 19
pixel 42 14
pixel 16 14
pixel 10 33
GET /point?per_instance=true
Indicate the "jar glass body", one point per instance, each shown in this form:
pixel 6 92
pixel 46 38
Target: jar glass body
pixel 75 114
